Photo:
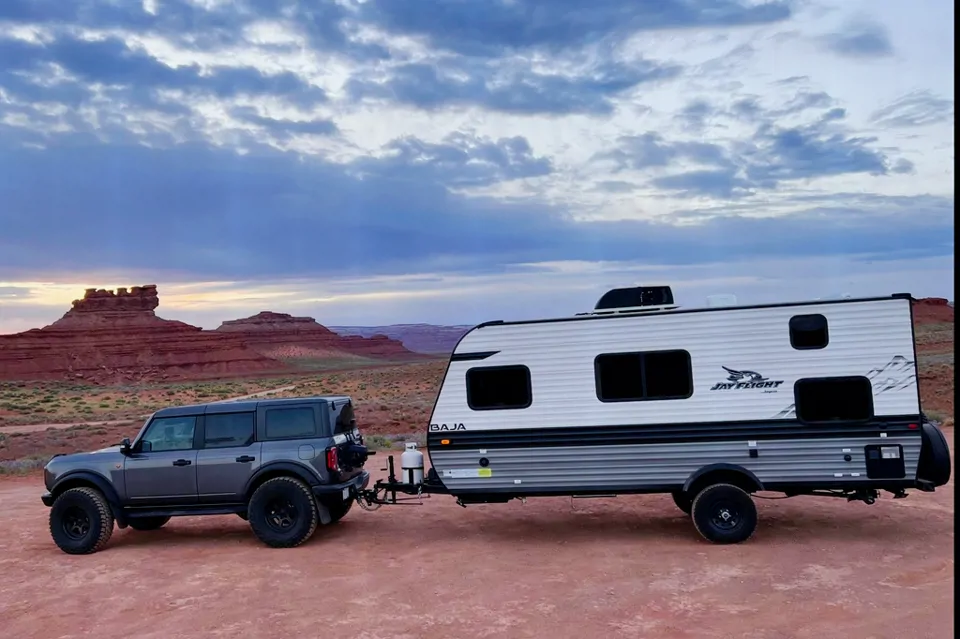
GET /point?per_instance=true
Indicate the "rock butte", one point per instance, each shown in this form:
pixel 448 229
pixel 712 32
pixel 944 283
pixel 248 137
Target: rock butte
pixel 283 335
pixel 116 337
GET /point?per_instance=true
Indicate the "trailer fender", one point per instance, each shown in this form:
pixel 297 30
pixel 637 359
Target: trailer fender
pixel 934 464
pixel 721 472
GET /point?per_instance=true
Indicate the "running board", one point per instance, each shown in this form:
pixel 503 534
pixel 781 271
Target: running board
pixel 592 496
pixel 186 511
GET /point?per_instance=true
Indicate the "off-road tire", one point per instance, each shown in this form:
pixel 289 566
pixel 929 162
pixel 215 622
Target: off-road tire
pixel 709 506
pixel 682 500
pixel 147 523
pixel 338 509
pixel 81 521
pixel 283 512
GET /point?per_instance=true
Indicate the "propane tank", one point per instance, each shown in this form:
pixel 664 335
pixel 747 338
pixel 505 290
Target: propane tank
pixel 411 465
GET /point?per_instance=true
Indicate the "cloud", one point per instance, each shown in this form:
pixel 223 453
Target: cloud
pixel 917 108
pixel 508 86
pixel 861 38
pixel 772 155
pixel 113 63
pixel 208 213
pixel 488 29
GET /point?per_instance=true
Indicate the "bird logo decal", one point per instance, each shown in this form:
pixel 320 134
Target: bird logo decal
pixel 743 376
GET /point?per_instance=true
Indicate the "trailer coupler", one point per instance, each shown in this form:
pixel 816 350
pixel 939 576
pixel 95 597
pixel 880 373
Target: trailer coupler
pixel 385 492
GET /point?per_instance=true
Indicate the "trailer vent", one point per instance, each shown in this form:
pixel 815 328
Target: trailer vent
pixel 636 298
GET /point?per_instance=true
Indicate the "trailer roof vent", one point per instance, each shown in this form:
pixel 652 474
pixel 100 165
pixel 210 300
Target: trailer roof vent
pixel 636 298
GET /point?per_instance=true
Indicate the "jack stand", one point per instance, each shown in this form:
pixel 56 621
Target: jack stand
pixel 899 493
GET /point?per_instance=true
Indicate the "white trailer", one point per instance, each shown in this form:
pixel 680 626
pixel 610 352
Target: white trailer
pixel 708 404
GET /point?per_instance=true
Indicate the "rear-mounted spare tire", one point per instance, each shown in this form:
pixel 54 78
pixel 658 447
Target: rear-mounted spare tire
pixel 934 464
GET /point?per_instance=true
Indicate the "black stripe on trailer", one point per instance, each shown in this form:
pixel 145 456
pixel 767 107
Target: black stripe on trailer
pixel 620 435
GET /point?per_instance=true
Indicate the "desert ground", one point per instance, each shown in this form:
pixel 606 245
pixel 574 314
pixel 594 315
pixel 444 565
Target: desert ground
pixel 552 567
pixel 559 567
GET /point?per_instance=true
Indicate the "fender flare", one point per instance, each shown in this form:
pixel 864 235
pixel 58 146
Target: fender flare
pixel 724 468
pixel 100 482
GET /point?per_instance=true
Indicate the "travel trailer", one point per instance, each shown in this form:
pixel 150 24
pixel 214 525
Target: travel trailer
pixel 710 405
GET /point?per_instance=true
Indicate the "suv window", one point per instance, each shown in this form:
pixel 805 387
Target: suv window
pixel 345 420
pixel 289 423
pixel 228 429
pixel 170 433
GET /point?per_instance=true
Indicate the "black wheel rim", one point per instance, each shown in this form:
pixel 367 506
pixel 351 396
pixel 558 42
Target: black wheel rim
pixel 725 516
pixel 281 514
pixel 75 522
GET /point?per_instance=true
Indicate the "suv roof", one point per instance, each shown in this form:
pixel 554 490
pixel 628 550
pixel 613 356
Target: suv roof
pixel 241 406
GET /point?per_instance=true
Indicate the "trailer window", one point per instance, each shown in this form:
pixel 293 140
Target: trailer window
pixel 808 332
pixel 498 387
pixel 624 377
pixel 834 399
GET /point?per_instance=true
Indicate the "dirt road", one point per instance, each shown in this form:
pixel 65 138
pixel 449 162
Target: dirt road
pixel 554 568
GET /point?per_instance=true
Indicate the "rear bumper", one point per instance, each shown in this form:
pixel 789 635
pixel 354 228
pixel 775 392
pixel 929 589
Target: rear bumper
pixel 346 490
pixel 47 499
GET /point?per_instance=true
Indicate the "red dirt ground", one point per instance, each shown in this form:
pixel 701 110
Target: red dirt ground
pixel 624 567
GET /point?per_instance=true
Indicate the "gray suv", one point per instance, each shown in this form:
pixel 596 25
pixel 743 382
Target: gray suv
pixel 284 465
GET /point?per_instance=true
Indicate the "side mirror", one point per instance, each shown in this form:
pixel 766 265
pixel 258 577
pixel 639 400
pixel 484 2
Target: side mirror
pixel 145 446
pixel 125 446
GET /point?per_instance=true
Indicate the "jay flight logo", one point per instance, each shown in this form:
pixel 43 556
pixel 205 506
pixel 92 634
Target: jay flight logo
pixel 744 380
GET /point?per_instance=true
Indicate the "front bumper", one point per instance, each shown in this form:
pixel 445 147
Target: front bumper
pixel 347 490
pixel 47 499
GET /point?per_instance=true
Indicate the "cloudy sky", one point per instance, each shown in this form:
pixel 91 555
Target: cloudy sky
pixel 452 161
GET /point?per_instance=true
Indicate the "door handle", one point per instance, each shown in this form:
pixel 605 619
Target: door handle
pixel 182 462
pixel 246 458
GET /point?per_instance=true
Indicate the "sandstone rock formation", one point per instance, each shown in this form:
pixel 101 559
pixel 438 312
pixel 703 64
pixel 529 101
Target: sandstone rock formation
pixel 421 338
pixel 284 336
pixel 110 337
pixel 932 310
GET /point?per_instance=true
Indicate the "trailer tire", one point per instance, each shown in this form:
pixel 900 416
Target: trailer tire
pixel 147 523
pixel 283 512
pixel 724 514
pixel 682 500
pixel 81 521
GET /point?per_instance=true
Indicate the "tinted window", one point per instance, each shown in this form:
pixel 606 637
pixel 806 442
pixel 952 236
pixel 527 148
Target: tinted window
pixel 830 399
pixel 498 387
pixel 808 332
pixel 345 420
pixel 288 423
pixel 228 429
pixel 170 433
pixel 643 376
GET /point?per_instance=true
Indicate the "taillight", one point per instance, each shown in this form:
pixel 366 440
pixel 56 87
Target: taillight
pixel 333 462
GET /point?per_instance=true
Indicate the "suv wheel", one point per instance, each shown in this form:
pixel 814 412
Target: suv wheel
pixel 81 521
pixel 283 512
pixel 147 523
pixel 724 514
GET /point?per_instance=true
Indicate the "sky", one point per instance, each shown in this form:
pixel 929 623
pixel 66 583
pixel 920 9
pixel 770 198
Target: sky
pixel 370 162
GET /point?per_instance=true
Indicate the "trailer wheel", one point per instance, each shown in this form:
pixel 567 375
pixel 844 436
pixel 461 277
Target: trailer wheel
pixel 682 500
pixel 724 514
pixel 283 512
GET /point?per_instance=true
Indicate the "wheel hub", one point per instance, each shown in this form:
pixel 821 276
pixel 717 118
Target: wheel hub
pixel 726 517
pixel 76 523
pixel 281 514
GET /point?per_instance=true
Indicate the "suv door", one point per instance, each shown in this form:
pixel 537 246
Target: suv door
pixel 228 456
pixel 162 468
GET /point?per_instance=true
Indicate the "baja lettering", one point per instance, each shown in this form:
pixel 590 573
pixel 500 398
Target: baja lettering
pixel 446 427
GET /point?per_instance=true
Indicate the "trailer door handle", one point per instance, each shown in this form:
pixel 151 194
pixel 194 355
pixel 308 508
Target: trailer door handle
pixel 182 462
pixel 246 458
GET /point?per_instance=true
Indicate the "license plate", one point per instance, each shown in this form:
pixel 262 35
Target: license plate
pixel 346 494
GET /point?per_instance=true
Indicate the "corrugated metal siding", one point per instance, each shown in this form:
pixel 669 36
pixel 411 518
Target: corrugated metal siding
pixel 866 338
pixel 600 467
